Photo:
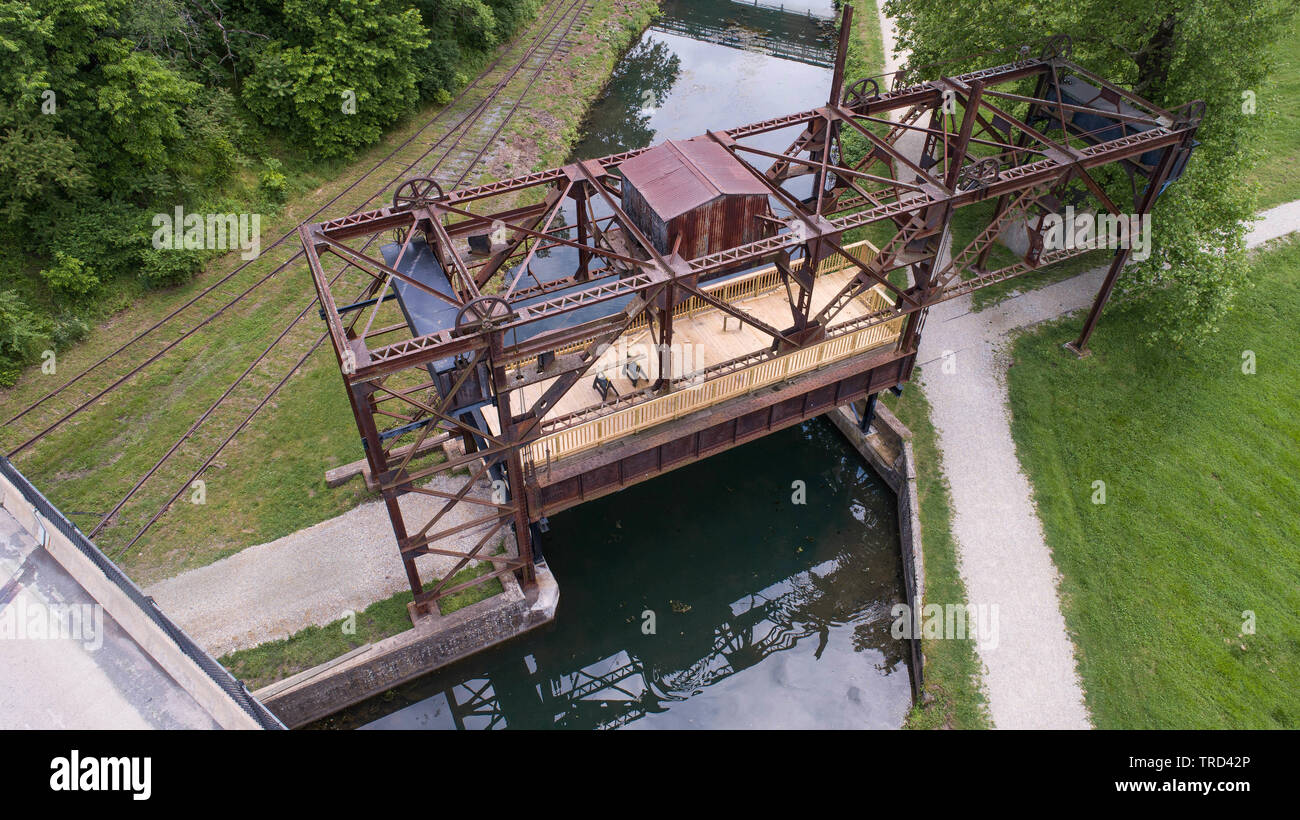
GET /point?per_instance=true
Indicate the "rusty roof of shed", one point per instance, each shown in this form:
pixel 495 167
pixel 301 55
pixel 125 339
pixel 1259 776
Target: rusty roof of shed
pixel 679 175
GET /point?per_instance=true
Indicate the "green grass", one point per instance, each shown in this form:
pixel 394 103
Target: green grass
pixel 1279 102
pixel 270 481
pixel 866 56
pixel 952 696
pixel 276 660
pixel 1200 464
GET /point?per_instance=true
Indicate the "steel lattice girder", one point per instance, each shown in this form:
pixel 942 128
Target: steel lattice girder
pixel 905 199
pixel 918 194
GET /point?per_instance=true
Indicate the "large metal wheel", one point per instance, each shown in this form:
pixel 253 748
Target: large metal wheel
pixel 482 313
pixel 979 174
pixel 857 92
pixel 417 192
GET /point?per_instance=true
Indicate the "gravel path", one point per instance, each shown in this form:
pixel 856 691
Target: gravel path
pixel 312 576
pixel 1029 671
pixel 1030 675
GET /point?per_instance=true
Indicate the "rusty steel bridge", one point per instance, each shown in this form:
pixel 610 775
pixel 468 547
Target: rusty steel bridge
pixel 570 332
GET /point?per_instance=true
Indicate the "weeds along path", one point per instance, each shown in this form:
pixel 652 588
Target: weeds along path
pixel 191 389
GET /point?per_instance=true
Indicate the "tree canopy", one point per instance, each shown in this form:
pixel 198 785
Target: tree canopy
pixel 1169 52
pixel 113 110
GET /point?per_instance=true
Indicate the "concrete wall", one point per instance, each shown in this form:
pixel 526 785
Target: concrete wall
pixel 888 449
pixel 435 642
pixel 123 601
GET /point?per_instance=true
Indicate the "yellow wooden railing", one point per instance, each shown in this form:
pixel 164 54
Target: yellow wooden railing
pixel 691 399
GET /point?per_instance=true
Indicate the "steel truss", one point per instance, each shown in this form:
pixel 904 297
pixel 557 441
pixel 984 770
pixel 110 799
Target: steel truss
pixel 1001 133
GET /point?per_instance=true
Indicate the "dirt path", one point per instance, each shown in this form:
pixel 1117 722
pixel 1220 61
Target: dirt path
pixel 311 577
pixel 1030 675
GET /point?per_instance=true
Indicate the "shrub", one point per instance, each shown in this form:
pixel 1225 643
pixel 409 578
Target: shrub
pixel 164 268
pixel 23 335
pixel 69 330
pixel 70 277
pixel 272 182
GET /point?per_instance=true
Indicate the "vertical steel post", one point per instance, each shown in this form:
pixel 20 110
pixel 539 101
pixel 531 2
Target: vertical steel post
pixel 363 405
pixel 514 466
pixel 1080 345
pixel 841 56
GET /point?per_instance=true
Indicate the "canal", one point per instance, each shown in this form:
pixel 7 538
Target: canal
pixel 749 590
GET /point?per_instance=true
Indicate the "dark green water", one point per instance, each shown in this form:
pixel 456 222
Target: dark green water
pixel 765 613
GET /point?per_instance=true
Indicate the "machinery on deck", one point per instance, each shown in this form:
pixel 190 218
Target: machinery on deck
pixel 510 296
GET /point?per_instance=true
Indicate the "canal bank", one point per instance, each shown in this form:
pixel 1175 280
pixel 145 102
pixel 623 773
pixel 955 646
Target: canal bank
pixel 588 668
pixel 803 637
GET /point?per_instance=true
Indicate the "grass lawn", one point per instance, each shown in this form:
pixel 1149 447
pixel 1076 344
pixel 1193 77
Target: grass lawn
pixel 270 481
pixel 953 696
pixel 1279 101
pixel 1200 464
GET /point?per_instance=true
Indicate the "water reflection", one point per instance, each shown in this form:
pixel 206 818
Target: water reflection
pixel 709 65
pixel 765 613
pixel 799 32
pixel 641 80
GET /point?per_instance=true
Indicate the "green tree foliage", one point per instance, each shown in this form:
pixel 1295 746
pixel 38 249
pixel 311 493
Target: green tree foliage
pixel 344 72
pixel 460 32
pixel 1170 52
pixel 70 276
pixel 272 181
pixel 114 110
pixel 23 334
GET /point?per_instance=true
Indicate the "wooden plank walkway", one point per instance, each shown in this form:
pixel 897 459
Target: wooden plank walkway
pixel 704 336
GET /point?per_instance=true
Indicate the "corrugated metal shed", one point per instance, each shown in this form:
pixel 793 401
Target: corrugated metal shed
pixel 696 191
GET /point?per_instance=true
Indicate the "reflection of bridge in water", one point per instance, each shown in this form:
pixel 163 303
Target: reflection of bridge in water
pixel 766 28
pixel 620 685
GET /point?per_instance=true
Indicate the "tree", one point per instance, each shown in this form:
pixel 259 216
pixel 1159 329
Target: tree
pixel 22 335
pixel 70 277
pixel 1170 52
pixel 344 72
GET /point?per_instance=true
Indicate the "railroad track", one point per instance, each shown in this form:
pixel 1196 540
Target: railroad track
pixel 478 118
pixel 96 381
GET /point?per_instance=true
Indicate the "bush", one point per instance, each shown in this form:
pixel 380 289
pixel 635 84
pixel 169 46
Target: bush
pixel 164 268
pixel 70 277
pixel 69 330
pixel 272 182
pixel 23 335
pixel 344 73
pixel 112 234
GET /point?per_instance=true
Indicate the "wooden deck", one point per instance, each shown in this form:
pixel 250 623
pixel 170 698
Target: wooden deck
pixel 704 336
